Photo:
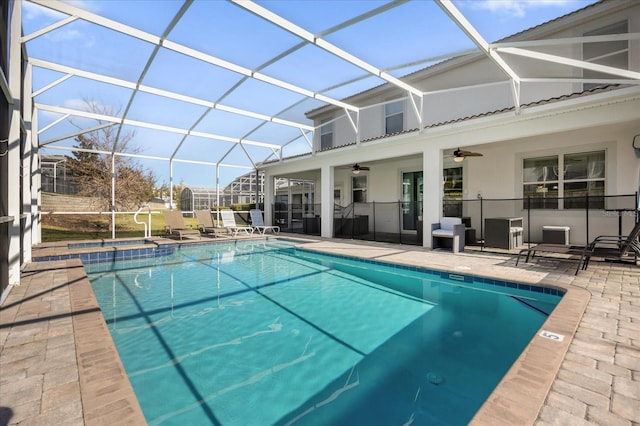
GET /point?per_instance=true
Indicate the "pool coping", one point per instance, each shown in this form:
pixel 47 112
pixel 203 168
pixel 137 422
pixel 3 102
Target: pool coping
pixel 517 399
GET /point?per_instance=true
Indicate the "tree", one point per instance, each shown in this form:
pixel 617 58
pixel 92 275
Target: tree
pixel 93 162
pixel 162 190
pixel 177 193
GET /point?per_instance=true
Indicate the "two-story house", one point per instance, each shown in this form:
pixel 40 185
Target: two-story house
pixel 549 115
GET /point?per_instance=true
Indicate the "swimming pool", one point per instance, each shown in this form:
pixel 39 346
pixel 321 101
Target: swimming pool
pixel 265 333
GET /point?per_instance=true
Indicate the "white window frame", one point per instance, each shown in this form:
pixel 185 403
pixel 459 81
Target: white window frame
pixel 363 190
pixel 388 115
pixel 561 181
pixel 325 130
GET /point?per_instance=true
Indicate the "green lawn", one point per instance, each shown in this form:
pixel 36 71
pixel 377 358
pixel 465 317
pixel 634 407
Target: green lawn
pixel 88 227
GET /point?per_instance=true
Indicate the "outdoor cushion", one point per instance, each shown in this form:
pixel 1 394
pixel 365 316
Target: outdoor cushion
pixel 447 223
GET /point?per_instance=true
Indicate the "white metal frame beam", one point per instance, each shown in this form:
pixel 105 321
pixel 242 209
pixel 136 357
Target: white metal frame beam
pixel 462 22
pixel 567 40
pixel 570 62
pixel 156 49
pixel 156 40
pixel 11 243
pixel 48 28
pixel 74 134
pixel 159 92
pixel 288 52
pixel 579 80
pixel 4 85
pixel 323 44
pixel 112 119
pixel 147 157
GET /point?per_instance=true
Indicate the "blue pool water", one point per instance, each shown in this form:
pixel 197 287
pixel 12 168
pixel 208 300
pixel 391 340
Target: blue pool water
pixel 259 333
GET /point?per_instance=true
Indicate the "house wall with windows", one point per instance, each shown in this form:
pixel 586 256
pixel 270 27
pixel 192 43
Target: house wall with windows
pixel 568 120
pixel 499 173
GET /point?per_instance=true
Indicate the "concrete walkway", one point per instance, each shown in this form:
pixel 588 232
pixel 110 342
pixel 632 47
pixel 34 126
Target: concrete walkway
pixel 58 364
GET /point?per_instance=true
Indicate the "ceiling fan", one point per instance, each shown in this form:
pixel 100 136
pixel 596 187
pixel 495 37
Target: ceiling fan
pixel 357 168
pixel 460 154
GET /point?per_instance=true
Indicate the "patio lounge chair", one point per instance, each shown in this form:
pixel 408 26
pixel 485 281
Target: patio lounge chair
pixel 617 247
pixel 175 224
pixel 574 252
pixel 609 247
pixel 206 225
pixel 257 222
pixel 229 222
pixel 448 232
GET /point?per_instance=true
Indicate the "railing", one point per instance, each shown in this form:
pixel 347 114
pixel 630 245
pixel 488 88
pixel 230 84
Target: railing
pixel 586 216
pixel 147 230
pixel 394 222
pixel 401 222
pixel 297 218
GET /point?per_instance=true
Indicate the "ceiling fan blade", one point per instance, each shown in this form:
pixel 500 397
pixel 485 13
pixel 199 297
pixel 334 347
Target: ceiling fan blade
pixel 462 153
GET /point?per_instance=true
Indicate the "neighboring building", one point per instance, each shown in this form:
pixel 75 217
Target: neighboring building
pixel 56 176
pixel 551 135
pixel 192 199
pixel 244 189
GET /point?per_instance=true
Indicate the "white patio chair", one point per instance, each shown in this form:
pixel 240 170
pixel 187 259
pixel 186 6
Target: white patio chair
pixel 229 222
pixel 257 222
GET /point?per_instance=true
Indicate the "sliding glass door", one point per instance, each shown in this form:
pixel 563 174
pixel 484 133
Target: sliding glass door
pixel 411 200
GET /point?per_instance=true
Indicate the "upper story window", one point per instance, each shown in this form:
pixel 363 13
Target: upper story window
pixel 326 136
pixel 394 117
pixel 569 177
pixel 611 53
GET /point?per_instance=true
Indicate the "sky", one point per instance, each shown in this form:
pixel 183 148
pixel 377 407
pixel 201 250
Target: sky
pixel 405 34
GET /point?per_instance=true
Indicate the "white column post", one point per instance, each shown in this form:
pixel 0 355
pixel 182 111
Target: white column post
pixel 171 183
pixel 29 152
pixel 269 198
pixel 36 181
pixel 432 195
pixel 326 200
pixel 113 196
pixel 217 193
pixel 13 145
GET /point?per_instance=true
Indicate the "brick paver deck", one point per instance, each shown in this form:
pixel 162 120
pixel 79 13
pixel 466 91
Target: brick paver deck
pixel 58 364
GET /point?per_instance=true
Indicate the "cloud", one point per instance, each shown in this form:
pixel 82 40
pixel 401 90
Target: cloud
pixel 64 35
pixel 31 11
pixel 516 8
pixel 42 16
pixel 70 34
